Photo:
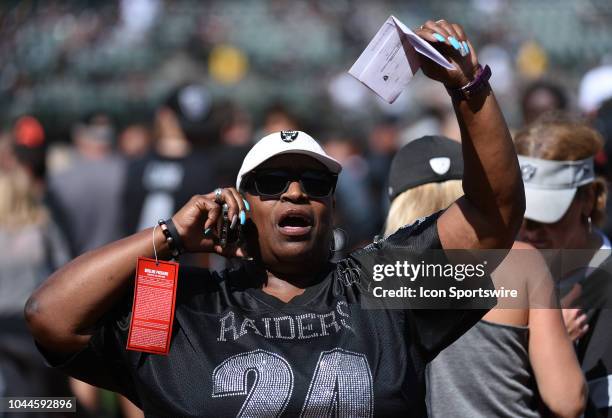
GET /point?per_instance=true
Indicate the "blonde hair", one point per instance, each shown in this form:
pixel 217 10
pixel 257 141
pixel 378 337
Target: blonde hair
pixel 19 205
pixel 558 136
pixel 421 201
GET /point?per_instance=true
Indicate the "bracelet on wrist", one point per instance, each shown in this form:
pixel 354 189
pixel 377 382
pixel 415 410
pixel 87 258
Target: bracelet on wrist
pixel 172 237
pixel 480 83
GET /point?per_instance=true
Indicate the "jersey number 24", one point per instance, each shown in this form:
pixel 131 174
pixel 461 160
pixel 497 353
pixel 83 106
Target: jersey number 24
pixel 341 385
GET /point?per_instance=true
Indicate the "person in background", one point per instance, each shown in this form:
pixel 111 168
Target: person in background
pixel 88 192
pixel 594 89
pixel 176 168
pixel 33 246
pixel 135 140
pixel 86 197
pixel 512 358
pixel 565 206
pixel 603 160
pixel 278 117
pixel 383 143
pixel 27 146
pixel 540 97
pixel 354 204
pixel 235 139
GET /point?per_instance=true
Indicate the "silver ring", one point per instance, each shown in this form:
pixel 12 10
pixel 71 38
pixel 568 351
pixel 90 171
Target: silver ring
pixel 439 20
pixel 218 195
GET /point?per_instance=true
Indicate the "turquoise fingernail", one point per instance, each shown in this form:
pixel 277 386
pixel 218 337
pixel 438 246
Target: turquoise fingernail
pixel 439 37
pixel 242 217
pixel 246 204
pixel 455 43
pixel 466 47
pixel 207 231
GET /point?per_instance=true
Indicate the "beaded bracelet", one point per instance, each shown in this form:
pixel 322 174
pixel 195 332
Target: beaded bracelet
pixel 172 237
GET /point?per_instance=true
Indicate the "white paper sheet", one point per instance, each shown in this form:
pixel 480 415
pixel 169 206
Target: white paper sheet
pixel 391 59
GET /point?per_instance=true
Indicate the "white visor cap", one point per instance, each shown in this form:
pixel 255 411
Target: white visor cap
pixel 285 142
pixel 550 186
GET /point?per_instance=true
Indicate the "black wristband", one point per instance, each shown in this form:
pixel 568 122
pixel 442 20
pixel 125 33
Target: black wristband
pixel 175 236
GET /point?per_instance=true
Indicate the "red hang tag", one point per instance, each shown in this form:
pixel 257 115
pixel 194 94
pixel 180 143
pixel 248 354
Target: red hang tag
pixel 153 309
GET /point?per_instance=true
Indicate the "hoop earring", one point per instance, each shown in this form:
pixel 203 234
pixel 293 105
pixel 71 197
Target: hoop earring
pixel 338 242
pixel 590 224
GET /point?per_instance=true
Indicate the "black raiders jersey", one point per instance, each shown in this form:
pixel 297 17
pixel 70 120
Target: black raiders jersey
pixel 157 186
pixel 237 351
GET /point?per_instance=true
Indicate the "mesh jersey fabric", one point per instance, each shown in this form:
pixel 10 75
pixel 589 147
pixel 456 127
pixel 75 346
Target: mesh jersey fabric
pixel 237 351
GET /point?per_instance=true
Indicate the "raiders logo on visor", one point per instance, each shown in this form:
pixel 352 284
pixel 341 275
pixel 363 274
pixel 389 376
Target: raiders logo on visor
pixel 289 136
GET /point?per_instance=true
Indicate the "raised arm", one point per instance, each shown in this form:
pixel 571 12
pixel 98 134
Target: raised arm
pixel 491 211
pixel 62 312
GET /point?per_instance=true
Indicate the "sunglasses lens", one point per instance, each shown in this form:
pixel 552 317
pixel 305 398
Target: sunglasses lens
pixel 271 183
pixel 317 184
pixel 314 183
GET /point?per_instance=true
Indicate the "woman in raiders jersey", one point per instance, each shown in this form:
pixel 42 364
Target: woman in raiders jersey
pixel 284 334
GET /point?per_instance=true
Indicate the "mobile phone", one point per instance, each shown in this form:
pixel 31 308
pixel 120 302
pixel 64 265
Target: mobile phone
pixel 228 236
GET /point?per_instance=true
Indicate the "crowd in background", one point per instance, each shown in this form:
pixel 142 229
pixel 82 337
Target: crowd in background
pixel 113 114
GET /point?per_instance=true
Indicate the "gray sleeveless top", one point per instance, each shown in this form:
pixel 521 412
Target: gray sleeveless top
pixel 485 373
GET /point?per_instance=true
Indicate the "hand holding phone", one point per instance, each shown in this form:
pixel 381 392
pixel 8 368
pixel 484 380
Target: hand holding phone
pixel 205 223
pixel 228 236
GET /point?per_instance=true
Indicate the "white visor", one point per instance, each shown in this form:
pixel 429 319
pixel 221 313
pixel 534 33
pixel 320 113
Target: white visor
pixel 550 186
pixel 285 142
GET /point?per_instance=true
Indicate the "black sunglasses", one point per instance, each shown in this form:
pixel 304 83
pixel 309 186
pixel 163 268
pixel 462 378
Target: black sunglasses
pixel 275 182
